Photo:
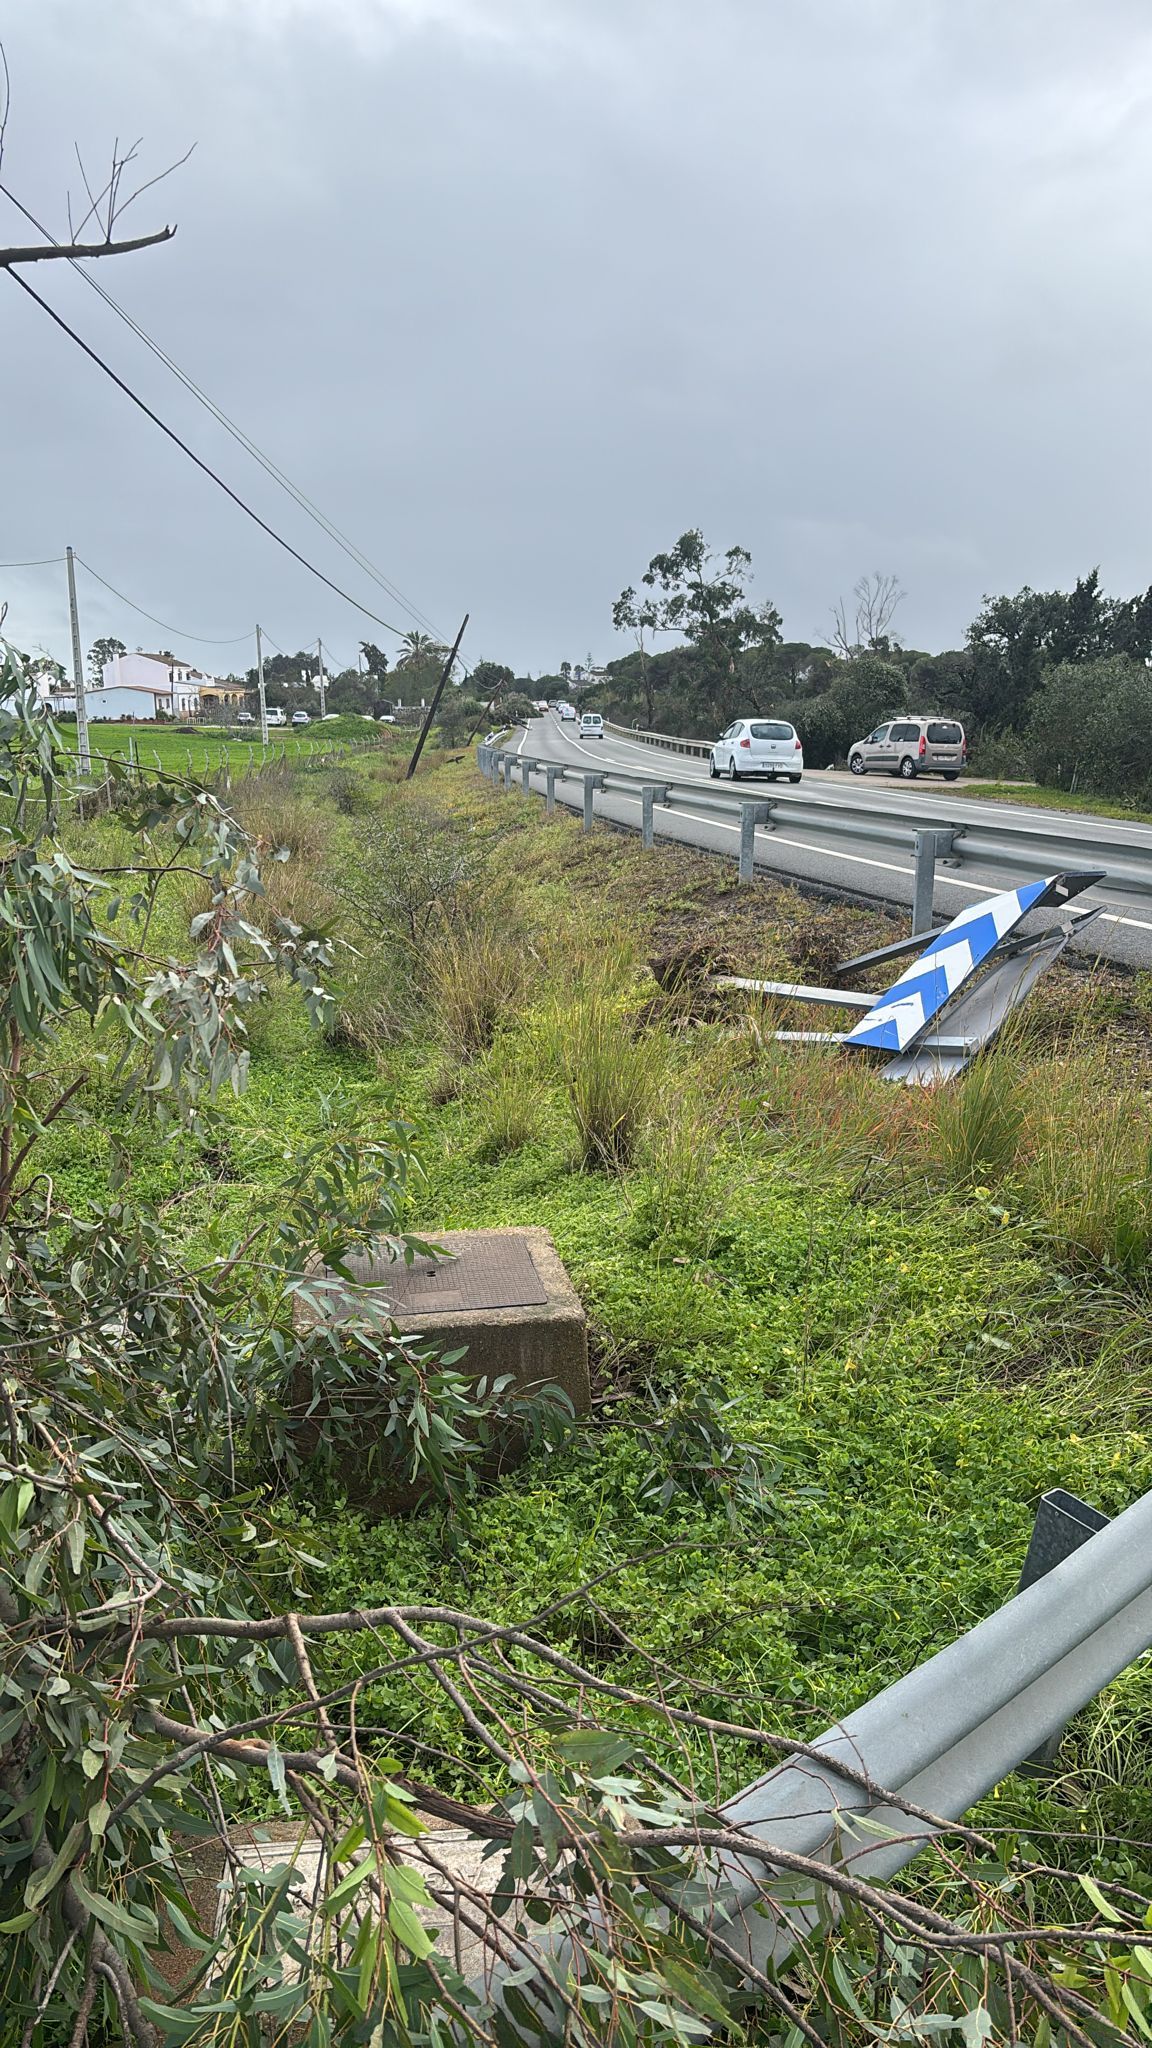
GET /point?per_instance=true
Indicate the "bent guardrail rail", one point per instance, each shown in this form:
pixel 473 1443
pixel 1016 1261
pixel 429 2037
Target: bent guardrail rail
pixel 873 1790
pixel 999 844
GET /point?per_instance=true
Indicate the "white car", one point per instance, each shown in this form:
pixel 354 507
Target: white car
pixel 277 715
pixel 300 718
pixel 245 718
pixel 566 713
pixel 591 726
pixel 758 746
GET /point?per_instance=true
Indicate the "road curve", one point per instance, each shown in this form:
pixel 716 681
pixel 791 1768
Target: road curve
pixel 856 867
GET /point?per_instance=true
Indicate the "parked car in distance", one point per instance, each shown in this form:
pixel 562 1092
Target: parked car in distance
pixel 566 712
pixel 277 715
pixel 591 726
pixel 245 718
pixel 758 746
pixel 912 746
pixel 301 718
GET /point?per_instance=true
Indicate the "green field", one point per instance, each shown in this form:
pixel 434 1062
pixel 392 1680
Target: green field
pixel 205 751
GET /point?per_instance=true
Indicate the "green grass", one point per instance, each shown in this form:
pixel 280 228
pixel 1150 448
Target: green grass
pixel 206 751
pixel 1038 798
pixel 924 1309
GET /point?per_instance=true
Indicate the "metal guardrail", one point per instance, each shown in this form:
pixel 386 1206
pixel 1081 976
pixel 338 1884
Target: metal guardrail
pixel 699 749
pixel 1000 844
pixel 871 1791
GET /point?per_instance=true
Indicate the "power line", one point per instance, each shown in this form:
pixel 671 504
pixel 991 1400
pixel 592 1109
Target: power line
pixel 173 436
pixel 48 562
pixel 245 441
pixel 203 639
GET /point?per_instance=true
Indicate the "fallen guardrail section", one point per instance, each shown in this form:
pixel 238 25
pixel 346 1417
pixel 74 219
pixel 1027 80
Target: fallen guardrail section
pixel 871 1792
pixel 999 845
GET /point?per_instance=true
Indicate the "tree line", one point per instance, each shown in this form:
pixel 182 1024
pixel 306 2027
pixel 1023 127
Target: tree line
pixel 1054 684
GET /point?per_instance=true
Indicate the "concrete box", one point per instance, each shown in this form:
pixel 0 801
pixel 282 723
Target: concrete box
pixel 503 1295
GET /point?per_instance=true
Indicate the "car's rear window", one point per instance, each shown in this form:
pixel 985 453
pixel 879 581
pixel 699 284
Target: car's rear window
pixel 765 730
pixel 942 735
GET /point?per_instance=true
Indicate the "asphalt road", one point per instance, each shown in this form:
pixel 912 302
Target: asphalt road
pixel 857 867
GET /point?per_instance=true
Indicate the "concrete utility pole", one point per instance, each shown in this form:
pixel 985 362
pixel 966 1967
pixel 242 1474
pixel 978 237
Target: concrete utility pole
pixel 260 688
pixel 83 748
pixel 320 678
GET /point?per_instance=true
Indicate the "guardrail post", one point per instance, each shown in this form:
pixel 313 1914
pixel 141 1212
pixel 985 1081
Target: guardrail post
pixel 507 761
pixel 751 815
pixel 591 783
pixel 550 774
pixel 929 847
pixel 651 793
pixel 526 767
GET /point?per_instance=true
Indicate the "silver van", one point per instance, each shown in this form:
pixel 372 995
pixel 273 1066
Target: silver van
pixel 912 746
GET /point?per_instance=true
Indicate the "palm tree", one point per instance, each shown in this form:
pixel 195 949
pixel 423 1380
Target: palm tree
pixel 419 646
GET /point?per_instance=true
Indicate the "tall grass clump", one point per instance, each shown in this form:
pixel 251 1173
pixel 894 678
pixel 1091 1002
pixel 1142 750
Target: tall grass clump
pixel 974 1125
pixel 509 1104
pixel 475 975
pixel 1090 1171
pixel 611 1070
pixel 687 1183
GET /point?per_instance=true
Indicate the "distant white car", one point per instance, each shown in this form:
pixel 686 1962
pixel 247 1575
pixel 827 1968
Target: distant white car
pixel 591 726
pixel 758 746
pixel 300 718
pixel 567 713
pixel 245 718
pixel 277 715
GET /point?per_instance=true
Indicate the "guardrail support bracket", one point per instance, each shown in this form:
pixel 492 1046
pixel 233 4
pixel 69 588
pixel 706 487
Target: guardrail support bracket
pixel 550 774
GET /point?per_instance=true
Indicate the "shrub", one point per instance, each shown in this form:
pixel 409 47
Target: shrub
pixel 348 792
pixel 413 872
pixel 1091 728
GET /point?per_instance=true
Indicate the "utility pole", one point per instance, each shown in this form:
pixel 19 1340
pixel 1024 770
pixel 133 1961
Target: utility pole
pixel 320 659
pixel 83 748
pixel 439 692
pixel 260 687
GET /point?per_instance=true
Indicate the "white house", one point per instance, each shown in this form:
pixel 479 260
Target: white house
pixel 149 686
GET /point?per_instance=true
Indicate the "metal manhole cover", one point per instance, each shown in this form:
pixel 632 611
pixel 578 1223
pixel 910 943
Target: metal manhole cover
pixel 485 1272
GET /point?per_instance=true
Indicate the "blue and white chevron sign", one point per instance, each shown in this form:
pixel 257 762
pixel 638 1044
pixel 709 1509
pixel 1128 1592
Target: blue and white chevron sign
pixel 898 1018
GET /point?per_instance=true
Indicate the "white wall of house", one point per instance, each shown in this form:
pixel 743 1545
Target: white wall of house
pixel 130 700
pixel 175 682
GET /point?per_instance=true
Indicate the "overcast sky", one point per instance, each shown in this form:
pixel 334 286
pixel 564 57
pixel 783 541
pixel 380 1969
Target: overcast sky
pixel 517 290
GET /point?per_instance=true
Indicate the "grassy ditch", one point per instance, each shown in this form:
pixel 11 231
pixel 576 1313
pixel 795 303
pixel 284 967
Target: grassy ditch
pixel 844 1334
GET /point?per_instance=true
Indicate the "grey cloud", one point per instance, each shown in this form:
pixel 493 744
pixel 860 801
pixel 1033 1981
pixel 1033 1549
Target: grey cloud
pixel 519 289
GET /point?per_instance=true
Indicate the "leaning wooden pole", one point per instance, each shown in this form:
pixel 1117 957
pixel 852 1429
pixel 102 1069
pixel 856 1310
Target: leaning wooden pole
pixel 433 707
